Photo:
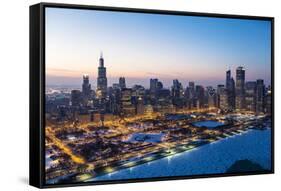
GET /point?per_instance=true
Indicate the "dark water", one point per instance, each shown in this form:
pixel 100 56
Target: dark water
pixel 209 124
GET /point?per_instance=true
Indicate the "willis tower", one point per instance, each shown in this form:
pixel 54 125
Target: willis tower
pixel 102 80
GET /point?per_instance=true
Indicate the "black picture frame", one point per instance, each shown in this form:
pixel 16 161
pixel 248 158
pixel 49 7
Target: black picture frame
pixel 37 91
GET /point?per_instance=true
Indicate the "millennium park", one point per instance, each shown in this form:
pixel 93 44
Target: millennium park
pixel 120 132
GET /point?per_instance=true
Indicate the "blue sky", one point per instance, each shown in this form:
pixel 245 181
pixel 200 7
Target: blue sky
pixel 143 46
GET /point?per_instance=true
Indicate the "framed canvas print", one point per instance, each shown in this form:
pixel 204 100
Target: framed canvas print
pixel 123 95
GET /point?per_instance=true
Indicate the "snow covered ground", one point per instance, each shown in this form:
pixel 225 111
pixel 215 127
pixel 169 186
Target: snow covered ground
pixel 146 137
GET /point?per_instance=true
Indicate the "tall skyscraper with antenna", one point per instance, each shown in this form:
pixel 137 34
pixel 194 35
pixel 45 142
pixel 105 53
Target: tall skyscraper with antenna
pixel 101 80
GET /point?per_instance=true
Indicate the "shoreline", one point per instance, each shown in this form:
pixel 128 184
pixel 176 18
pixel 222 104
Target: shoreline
pixel 85 177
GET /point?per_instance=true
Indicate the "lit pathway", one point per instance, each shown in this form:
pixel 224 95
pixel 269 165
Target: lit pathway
pixel 63 147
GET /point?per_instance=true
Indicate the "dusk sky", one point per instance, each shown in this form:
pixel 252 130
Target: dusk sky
pixel 143 46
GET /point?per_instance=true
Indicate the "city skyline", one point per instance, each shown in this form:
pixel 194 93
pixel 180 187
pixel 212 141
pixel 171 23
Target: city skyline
pixel 84 127
pixel 132 88
pixel 170 53
pixel 130 83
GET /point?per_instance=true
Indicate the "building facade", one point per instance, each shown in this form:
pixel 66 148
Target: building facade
pixel 127 108
pixel 250 96
pixel 260 96
pixel 101 80
pixel 240 88
pixel 86 89
pixel 230 88
pixel 122 82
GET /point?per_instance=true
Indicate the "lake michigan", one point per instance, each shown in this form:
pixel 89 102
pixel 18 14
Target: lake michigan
pixel 213 158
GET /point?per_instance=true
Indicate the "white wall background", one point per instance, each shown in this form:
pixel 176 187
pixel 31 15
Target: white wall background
pixel 14 53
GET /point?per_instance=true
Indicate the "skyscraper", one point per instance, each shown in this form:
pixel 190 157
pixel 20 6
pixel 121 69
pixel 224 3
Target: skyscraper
pixel 101 80
pixel 230 88
pixel 122 82
pixel 86 89
pixel 228 78
pixel 140 106
pixel 192 99
pixel 176 89
pixel 260 96
pixel 223 99
pixel 76 98
pixel 115 100
pixel 199 91
pixel 138 91
pixel 191 89
pixel 187 93
pixel 177 93
pixel 267 100
pixel 231 94
pixel 153 85
pixel 220 89
pixel 211 93
pixel 250 96
pixel 153 90
pixel 159 85
pixel 127 108
pixel 240 88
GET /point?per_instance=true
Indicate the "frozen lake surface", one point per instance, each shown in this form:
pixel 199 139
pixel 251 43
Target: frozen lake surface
pixel 209 124
pixel 146 137
pixel 214 158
